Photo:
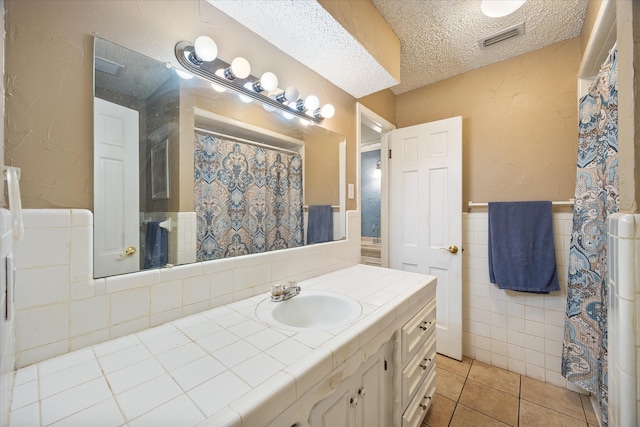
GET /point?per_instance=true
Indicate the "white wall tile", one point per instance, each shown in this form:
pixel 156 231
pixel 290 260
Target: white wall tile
pixel 129 305
pixel 195 289
pixel 89 315
pixel 42 325
pixel 56 240
pixel 527 324
pixel 42 286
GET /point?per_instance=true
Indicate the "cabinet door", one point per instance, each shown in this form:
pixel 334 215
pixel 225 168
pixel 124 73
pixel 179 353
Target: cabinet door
pixel 372 408
pixel 362 400
pixel 334 411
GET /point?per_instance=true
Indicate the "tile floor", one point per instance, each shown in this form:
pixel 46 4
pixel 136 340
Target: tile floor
pixel 472 393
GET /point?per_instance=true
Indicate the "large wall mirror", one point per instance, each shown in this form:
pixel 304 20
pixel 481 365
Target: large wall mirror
pixel 185 172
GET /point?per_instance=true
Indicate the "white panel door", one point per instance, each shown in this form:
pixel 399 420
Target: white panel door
pixel 116 189
pixel 425 217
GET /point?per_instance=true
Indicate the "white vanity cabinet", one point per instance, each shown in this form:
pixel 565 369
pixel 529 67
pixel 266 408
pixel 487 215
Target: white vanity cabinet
pixel 362 400
pixel 380 371
pixel 418 354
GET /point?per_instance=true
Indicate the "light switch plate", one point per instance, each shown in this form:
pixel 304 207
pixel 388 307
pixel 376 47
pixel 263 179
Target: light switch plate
pixel 350 191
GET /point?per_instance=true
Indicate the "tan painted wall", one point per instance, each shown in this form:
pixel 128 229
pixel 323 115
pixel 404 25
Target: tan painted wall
pixel 363 21
pixel 590 18
pixel 382 103
pixel 628 27
pixel 49 81
pixel 519 124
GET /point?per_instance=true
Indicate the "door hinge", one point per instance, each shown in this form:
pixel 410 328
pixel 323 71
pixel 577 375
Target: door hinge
pixel 385 364
pixel 389 152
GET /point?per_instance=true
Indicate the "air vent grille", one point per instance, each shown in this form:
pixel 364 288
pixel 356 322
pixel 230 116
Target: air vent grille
pixel 515 31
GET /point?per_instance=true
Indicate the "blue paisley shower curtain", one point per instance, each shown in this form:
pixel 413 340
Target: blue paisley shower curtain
pixel 584 358
pixel 248 199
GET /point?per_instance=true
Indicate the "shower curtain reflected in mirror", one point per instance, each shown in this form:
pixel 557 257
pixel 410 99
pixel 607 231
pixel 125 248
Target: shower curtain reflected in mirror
pixel 584 358
pixel 248 199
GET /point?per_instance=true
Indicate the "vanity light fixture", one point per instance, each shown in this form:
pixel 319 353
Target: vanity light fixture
pixel 200 58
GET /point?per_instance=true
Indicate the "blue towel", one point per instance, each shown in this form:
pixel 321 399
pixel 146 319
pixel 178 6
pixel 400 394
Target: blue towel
pixel 156 247
pixel 522 254
pixel 320 224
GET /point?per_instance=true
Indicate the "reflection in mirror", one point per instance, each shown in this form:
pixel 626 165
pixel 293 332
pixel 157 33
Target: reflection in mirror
pixel 184 173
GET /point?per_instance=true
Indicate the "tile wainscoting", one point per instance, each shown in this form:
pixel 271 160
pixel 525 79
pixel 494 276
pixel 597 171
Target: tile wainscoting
pixel 516 331
pixel 7 325
pixel 60 307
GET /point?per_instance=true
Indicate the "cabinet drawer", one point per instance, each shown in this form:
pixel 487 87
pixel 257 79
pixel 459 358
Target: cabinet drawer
pixel 418 367
pixel 416 410
pixel 416 330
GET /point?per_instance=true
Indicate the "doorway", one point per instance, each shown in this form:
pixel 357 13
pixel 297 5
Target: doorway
pixel 372 181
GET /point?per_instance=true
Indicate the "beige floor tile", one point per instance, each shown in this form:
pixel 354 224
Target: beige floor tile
pixel 440 412
pixel 588 409
pixel 467 417
pixel 532 415
pixel 498 378
pixel 449 385
pixel 489 401
pixel 452 365
pixel 552 397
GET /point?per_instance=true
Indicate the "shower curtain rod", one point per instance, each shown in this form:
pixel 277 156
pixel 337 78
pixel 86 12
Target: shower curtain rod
pixel 569 202
pixel 246 141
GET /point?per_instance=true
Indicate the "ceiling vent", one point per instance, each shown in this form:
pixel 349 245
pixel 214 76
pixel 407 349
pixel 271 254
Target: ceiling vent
pixel 515 31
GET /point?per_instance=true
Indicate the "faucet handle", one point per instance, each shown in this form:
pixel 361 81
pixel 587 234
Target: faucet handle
pixel 276 290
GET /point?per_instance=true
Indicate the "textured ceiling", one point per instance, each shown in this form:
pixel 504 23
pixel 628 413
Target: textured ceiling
pixel 439 38
pixel 307 32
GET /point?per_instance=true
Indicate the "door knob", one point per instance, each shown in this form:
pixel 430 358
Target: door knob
pixel 453 249
pixel 128 252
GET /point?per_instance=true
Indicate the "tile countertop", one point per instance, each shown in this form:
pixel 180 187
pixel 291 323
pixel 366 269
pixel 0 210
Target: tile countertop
pixel 221 367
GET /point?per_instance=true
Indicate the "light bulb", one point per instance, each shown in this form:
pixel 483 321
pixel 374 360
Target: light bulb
pixel 500 8
pixel 205 48
pixel 218 88
pixel 240 68
pixel 311 102
pixel 287 115
pixel 269 81
pixel 268 107
pixel 184 74
pixel 327 111
pixel 290 94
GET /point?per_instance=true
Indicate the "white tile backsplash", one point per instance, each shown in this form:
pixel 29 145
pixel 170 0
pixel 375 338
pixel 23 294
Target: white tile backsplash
pixel 623 320
pixel 61 307
pixel 513 330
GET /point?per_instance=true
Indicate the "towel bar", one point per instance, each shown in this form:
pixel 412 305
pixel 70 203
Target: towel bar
pixel 569 202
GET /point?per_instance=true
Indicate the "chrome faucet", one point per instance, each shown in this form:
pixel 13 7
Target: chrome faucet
pixel 281 293
pixel 376 230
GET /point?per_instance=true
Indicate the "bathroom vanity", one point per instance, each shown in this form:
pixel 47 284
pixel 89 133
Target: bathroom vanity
pixel 355 347
pixel 378 370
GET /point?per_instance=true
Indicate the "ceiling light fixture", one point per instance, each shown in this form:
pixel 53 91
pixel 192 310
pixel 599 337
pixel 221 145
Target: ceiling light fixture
pixel 200 58
pixel 500 8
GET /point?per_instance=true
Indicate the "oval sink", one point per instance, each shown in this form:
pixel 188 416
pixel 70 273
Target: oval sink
pixel 310 310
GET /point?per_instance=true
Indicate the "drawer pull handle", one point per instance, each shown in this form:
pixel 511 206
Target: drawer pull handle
pixel 424 407
pixel 362 392
pixel 353 402
pixel 424 367
pixel 424 328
